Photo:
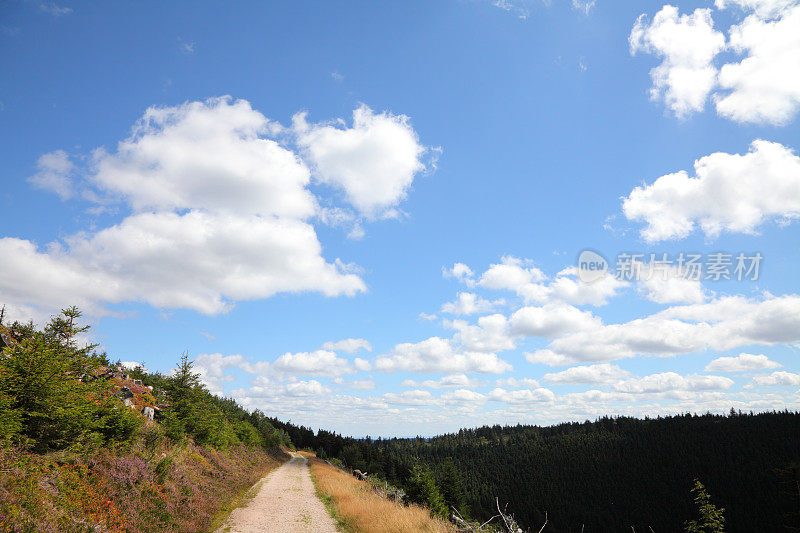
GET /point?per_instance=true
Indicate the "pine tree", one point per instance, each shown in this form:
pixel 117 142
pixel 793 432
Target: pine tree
pixel 422 489
pixel 712 519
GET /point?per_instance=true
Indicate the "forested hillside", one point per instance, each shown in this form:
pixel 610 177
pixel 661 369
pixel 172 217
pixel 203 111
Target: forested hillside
pixel 606 475
pixel 80 452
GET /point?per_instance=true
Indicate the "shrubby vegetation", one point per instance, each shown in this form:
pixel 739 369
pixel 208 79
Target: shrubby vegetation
pixel 73 456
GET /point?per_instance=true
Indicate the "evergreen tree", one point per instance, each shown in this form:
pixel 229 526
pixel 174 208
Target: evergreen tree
pixel 712 519
pixel 422 489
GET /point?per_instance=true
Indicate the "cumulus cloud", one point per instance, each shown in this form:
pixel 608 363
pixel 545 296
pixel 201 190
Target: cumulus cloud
pixel 213 369
pixel 468 303
pixel 316 363
pixel 721 324
pixel 516 383
pixel 728 193
pixel 412 397
pixel 687 45
pixel 667 284
pixel 438 355
pixel 531 284
pixel 53 174
pixel 602 373
pixel 780 378
pixel 460 272
pixel 743 362
pixel 670 381
pixel 521 396
pixel 348 345
pixel 221 211
pixel 198 260
pixel 446 382
pixel 374 162
pixel 764 87
pixel 762 83
pixel 551 320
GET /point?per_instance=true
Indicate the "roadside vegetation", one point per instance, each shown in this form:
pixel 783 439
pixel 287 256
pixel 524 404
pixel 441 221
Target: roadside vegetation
pixel 78 451
pixel 358 509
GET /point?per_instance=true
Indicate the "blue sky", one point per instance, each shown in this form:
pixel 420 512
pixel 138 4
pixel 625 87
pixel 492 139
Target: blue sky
pixel 249 182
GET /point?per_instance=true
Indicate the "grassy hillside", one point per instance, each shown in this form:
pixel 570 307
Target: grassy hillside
pixel 78 451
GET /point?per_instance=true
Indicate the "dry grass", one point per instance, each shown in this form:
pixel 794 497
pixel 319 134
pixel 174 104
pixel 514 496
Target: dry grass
pixel 359 510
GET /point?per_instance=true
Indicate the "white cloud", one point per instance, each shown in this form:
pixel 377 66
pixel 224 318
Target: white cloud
pixel 460 272
pixel 374 162
pixel 490 334
pixel 722 324
pixel 221 213
pixel 764 87
pixel 348 345
pixel 446 382
pixel 213 367
pixel 687 45
pixel 411 397
pixel 438 355
pixel 360 384
pixel 666 284
pixel 583 6
pixel 551 320
pixel 530 283
pixel 601 373
pixel 316 363
pixel 670 381
pixel 516 383
pixel 764 9
pixel 208 155
pixel 510 274
pixel 741 363
pixel 780 378
pixel 198 260
pixel 468 303
pixel 54 9
pixel 306 388
pixel 54 174
pixel 521 396
pixel 729 192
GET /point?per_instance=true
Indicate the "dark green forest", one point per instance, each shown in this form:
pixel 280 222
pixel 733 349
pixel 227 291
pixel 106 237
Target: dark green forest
pixel 606 475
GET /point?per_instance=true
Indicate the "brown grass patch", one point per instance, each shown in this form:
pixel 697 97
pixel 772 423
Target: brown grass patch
pixel 359 510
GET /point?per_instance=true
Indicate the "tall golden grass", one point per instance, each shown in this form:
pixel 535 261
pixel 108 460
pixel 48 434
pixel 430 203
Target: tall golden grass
pixel 364 512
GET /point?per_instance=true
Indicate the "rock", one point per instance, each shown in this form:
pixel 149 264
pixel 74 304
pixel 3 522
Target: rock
pixel 149 412
pixel 129 403
pixel 124 393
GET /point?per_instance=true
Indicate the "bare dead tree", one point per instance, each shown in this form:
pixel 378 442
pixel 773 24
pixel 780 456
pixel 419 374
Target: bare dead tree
pixel 506 518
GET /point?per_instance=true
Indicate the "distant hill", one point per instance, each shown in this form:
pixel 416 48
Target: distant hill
pixel 606 475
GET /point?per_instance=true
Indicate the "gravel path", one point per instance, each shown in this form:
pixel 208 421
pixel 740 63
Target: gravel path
pixel 286 502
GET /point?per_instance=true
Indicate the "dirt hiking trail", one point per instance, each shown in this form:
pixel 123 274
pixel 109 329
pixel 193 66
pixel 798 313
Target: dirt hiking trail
pixel 285 502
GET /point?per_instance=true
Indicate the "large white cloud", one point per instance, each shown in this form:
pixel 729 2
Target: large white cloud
pixel 760 85
pixel 438 355
pixel 670 381
pixel 530 283
pixel 741 363
pixel 601 373
pixel 687 44
pixel 374 162
pixel 316 363
pixel 221 212
pixel 729 192
pixel 764 87
pixel 722 324
pixel 208 155
pixel 780 378
pixel 197 260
